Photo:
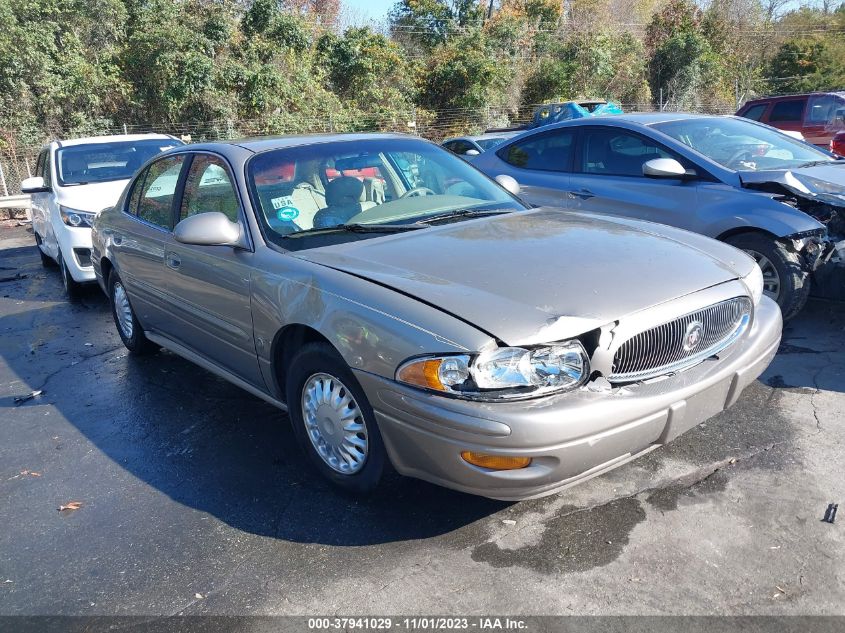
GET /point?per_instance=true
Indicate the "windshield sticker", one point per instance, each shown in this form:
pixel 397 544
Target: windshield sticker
pixel 287 213
pixel 283 201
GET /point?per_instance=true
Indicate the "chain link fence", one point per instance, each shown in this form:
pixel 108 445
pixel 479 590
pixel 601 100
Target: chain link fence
pixel 18 163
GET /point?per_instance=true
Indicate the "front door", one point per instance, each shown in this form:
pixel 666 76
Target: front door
pixel 209 286
pixel 608 178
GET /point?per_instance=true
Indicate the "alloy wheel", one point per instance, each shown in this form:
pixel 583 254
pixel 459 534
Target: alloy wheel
pixel 771 279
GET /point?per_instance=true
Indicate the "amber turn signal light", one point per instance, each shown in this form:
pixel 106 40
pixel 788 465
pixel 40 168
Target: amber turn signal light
pixel 495 462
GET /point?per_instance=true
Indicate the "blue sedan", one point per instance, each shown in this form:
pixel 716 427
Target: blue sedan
pixel 729 178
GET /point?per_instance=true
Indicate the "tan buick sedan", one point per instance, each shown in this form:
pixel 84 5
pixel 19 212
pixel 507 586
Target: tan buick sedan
pixel 409 311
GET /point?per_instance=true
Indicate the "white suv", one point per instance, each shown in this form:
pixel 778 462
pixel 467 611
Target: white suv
pixel 73 182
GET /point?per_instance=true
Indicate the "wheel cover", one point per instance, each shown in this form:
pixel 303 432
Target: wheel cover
pixel 334 424
pixel 122 310
pixel 771 279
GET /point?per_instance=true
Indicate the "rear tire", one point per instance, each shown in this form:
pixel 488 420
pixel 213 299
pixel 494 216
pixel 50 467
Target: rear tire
pixel 128 327
pixel 785 280
pixel 348 441
pixel 73 288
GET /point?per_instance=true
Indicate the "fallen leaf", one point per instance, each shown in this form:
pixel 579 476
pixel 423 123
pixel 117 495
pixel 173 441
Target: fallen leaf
pixel 198 596
pixel 31 473
pixel 780 589
pixel 72 505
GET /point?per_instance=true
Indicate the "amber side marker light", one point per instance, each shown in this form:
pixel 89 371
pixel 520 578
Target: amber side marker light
pixel 495 462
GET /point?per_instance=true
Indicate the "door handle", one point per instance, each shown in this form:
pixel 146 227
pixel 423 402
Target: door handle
pixel 173 261
pixel 584 194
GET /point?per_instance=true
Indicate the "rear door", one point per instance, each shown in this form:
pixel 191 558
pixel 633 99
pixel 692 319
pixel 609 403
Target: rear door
pixel 209 286
pixel 542 165
pixel 608 178
pixel 787 114
pixel 139 240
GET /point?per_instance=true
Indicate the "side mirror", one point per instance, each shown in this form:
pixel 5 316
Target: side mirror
pixel 472 152
pixel 509 183
pixel 840 116
pixel 664 168
pixel 208 229
pixel 33 185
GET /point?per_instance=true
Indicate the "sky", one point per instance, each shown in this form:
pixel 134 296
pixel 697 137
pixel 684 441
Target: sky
pixel 371 9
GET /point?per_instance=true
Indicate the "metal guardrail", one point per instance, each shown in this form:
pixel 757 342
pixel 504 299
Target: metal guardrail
pixel 15 202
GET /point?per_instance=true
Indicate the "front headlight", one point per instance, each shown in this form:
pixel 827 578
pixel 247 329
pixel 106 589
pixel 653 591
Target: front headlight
pixel 754 282
pixel 75 218
pixel 502 373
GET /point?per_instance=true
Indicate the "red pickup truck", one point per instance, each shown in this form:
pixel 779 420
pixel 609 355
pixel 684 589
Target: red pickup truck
pixel 819 116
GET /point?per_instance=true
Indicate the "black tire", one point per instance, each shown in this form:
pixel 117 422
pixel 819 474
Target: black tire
pixel 138 343
pixel 73 289
pixel 794 280
pixel 321 358
pixel 46 260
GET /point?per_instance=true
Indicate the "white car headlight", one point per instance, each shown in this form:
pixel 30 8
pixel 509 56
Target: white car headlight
pixel 75 218
pixel 754 282
pixel 502 373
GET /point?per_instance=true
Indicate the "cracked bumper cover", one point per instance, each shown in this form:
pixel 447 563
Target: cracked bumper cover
pixel 571 437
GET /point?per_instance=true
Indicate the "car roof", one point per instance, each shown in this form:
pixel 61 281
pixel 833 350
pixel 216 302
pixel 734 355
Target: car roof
pixel 482 137
pixel 636 118
pixel 263 144
pixel 115 138
pixel 838 93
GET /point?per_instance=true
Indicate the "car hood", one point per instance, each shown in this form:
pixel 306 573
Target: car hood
pixel 822 183
pixel 93 197
pixel 541 275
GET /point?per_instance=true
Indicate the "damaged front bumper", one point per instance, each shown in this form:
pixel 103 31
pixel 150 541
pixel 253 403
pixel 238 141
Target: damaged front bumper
pixel 569 437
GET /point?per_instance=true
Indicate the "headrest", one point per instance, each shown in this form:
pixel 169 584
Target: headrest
pixel 344 190
pixel 75 162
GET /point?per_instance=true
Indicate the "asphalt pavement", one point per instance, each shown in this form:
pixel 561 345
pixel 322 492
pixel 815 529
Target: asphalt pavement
pixel 192 497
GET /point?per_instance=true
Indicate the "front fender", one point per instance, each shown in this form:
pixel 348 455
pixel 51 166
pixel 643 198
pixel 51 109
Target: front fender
pixel 760 212
pixel 373 327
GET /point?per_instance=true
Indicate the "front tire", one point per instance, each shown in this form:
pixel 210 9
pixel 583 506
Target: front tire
pixel 46 260
pixel 128 327
pixel 333 420
pixel 73 289
pixel 784 279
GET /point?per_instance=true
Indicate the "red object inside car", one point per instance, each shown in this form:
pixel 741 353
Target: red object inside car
pixel 837 144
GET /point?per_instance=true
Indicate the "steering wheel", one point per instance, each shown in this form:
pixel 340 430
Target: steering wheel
pixel 739 154
pixel 417 191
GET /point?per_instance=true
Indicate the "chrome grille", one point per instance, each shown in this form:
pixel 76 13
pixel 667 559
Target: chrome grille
pixel 661 350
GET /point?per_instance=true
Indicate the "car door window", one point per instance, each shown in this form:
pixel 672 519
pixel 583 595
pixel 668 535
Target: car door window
pixel 755 112
pixel 39 164
pixel 544 152
pixel 787 111
pixel 614 152
pixel 155 204
pixel 208 187
pixel 47 175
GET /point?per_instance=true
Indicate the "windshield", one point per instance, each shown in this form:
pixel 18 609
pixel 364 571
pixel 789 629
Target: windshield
pixel 371 182
pixel 102 162
pixel 741 145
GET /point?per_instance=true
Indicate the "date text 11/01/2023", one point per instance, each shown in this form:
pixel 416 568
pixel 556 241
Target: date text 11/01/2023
pixel 419 623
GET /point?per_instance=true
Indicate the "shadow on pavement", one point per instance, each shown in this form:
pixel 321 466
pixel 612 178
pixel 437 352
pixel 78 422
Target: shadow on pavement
pixel 199 440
